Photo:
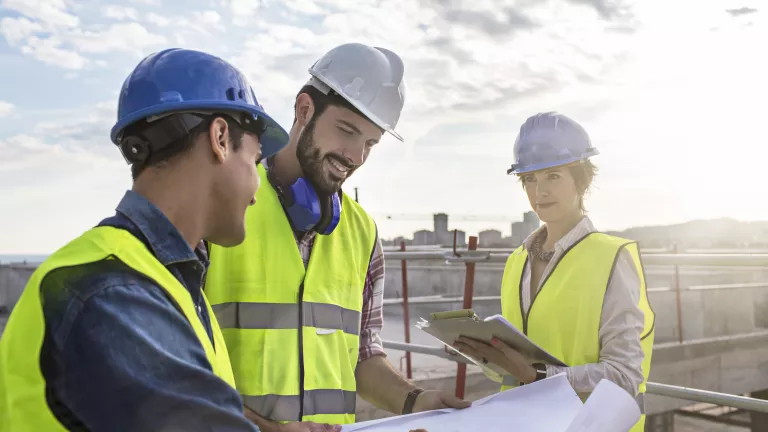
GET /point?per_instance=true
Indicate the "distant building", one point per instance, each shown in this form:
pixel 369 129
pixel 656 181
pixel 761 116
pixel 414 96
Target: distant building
pixel 441 222
pixel 461 238
pixel 518 233
pixel 521 230
pixel 423 238
pixel 442 236
pixel 489 238
pixel 531 222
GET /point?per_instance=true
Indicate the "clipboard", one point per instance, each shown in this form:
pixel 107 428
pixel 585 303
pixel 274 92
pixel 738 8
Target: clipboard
pixel 448 326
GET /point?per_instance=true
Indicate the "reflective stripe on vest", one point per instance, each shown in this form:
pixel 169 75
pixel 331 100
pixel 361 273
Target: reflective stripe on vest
pixel 23 405
pixel 293 332
pixel 282 316
pixel 564 317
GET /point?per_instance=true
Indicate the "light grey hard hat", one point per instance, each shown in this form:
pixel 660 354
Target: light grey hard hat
pixel 370 78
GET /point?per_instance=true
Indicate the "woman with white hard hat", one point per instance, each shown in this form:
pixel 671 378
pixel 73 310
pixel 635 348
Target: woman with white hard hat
pixel 576 292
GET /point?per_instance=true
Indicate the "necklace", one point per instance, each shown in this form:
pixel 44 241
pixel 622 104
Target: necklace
pixel 537 249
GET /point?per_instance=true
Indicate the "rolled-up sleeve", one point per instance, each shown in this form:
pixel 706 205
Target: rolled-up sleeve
pixel 621 326
pixel 372 319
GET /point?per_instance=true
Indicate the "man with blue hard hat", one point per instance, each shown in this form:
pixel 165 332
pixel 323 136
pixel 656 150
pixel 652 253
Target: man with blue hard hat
pixel 113 332
pixel 300 300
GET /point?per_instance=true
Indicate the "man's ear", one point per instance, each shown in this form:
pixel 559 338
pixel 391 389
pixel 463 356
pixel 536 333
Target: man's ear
pixel 305 109
pixel 218 139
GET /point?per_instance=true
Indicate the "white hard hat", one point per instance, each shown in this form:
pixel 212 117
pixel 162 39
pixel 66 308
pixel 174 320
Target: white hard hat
pixel 370 78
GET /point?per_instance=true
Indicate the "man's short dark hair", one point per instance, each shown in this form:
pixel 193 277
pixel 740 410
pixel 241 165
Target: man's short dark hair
pixel 323 101
pixel 183 145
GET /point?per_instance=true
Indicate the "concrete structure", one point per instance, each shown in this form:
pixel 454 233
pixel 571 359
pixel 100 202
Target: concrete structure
pixel 423 237
pixel 518 233
pixel 13 277
pixel 530 221
pixel 440 222
pixel 489 238
pixel 461 238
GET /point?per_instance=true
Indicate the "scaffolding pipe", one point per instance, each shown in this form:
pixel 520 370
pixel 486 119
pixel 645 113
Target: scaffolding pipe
pixel 656 259
pixel 406 312
pixel 704 396
pixel 684 393
pixel 469 290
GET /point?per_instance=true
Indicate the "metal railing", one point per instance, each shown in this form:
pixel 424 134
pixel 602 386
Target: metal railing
pixel 685 393
pixel 471 256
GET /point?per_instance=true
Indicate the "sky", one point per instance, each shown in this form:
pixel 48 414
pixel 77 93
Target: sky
pixel 672 94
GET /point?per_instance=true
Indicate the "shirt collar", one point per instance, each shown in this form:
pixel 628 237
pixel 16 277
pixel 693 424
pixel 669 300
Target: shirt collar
pixel 165 241
pixel 584 227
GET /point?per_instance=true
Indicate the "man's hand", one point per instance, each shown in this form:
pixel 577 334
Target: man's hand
pixel 308 427
pixel 434 399
pixel 500 354
pixel 270 426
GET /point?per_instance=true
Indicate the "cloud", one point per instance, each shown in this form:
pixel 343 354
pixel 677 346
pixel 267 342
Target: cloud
pixel 495 21
pixel 243 10
pixel 606 8
pixel 16 30
pixel 49 51
pixel 128 37
pixel 203 19
pixel 119 12
pixel 146 2
pixel 157 20
pixel 308 7
pixel 741 11
pixel 50 12
pixel 5 108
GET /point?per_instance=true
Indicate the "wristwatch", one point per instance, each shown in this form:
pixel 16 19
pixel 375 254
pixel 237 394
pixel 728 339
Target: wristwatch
pixel 541 371
pixel 410 400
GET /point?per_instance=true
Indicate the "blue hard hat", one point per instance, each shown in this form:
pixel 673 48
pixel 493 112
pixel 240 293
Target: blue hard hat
pixel 548 140
pixel 178 80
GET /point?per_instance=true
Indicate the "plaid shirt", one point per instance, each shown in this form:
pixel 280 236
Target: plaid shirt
pixel 372 318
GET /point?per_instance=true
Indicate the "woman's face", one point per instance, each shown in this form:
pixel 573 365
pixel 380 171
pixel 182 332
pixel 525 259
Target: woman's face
pixel 552 193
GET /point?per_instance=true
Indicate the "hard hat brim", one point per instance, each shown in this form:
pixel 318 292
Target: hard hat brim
pixel 517 170
pixel 274 138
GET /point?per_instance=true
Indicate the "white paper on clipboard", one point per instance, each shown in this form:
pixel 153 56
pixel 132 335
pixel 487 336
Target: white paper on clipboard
pixel 448 330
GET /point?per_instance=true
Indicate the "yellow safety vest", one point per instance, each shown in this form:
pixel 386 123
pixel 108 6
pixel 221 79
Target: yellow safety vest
pixel 564 317
pixel 23 405
pixel 293 333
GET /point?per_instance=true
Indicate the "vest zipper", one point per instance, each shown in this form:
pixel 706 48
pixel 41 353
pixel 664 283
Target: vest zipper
pixel 301 351
pixel 523 313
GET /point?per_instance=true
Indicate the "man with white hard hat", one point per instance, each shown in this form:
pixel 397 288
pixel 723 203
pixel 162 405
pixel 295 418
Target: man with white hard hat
pixel 300 301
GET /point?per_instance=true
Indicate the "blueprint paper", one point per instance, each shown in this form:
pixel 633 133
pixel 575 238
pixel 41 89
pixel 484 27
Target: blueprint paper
pixel 608 409
pixel 544 406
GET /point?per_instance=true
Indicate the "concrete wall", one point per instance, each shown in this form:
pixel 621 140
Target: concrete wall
pixel 12 280
pixel 705 312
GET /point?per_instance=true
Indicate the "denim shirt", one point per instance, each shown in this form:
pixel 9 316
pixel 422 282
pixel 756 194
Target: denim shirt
pixel 118 355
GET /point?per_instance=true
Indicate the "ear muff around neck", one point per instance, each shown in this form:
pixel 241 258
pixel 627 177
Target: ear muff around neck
pixel 309 211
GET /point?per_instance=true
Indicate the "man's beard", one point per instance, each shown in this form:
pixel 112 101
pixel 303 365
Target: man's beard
pixel 312 163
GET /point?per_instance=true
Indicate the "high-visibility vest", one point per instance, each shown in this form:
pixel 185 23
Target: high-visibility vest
pixel 564 317
pixel 293 333
pixel 23 405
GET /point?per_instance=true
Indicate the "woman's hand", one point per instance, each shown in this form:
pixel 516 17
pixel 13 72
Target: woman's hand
pixel 500 354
